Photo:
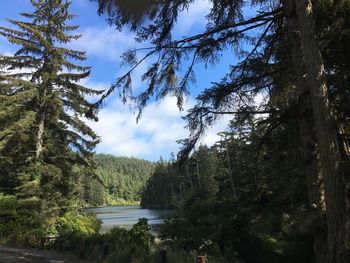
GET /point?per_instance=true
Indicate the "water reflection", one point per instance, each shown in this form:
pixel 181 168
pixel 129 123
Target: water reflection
pixel 127 216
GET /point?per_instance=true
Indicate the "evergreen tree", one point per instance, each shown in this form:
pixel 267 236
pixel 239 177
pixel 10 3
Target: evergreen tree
pixel 159 190
pixel 42 102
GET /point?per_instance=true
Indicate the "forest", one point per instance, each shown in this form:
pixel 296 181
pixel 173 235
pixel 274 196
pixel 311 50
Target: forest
pixel 273 188
pixel 122 180
pixel 115 181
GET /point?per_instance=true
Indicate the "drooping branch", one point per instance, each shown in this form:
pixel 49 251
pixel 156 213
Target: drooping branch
pixel 200 42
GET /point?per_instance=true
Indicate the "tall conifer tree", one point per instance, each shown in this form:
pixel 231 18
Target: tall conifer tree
pixel 42 104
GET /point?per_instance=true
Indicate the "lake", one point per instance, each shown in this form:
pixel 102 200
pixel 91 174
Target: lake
pixel 127 216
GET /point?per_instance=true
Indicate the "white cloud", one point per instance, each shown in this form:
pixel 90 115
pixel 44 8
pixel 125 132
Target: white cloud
pixel 108 44
pixel 155 135
pixel 211 135
pixel 87 82
pixel 104 42
pixel 194 16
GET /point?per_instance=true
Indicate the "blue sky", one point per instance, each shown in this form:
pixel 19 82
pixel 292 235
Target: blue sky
pixel 161 125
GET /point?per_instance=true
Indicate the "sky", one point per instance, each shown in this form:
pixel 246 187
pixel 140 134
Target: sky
pixel 161 124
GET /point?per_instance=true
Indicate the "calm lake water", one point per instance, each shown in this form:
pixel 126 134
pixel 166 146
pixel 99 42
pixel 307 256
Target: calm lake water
pixel 127 216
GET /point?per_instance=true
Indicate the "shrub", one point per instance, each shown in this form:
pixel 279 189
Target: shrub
pixel 141 236
pixel 20 221
pixel 73 228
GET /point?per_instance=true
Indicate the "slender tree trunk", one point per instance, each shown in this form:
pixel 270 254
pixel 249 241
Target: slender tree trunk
pixel 230 170
pixel 41 123
pixel 311 162
pixel 189 177
pixel 335 197
pixel 180 190
pixel 199 177
pixel 40 137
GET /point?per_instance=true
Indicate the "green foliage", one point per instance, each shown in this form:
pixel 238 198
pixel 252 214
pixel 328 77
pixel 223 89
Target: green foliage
pixel 113 246
pixel 159 190
pixel 140 235
pixel 44 61
pixel 42 135
pixel 172 183
pixel 20 219
pixel 73 222
pixel 72 228
pixel 122 178
pixel 117 244
pixel 235 204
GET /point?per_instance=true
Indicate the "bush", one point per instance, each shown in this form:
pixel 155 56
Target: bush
pixel 20 221
pixel 73 222
pixel 140 235
pixel 73 228
pixel 113 246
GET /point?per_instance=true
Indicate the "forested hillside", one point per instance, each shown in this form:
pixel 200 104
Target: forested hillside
pixel 115 181
pixel 122 177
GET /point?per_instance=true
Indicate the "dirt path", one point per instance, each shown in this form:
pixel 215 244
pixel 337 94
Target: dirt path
pixel 13 255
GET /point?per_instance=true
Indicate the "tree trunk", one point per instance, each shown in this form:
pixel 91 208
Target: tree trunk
pixel 311 162
pixel 230 170
pixel 335 197
pixel 40 137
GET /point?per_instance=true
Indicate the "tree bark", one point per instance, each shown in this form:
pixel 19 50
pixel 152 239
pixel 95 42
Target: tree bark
pixel 230 170
pixel 335 197
pixel 311 162
pixel 40 137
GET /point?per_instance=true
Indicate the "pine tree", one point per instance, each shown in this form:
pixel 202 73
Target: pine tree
pixel 42 104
